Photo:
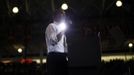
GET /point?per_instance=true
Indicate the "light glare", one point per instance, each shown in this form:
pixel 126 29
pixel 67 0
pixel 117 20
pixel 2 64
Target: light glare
pixel 62 26
pixel 44 61
pixel 118 3
pixel 15 10
pixel 130 45
pixel 20 50
pixel 38 61
pixel 108 58
pixel 64 6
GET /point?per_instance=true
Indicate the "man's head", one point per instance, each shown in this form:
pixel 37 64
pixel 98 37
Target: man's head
pixel 58 15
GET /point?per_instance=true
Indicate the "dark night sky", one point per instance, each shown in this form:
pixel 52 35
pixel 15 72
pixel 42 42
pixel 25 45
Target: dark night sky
pixel 26 29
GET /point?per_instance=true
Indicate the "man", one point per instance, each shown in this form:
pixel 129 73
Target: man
pixel 56 47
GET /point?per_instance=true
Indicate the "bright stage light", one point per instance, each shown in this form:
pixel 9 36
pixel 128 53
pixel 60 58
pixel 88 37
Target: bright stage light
pixel 130 45
pixel 38 61
pixel 64 6
pixel 119 3
pixel 62 26
pixel 20 50
pixel 15 10
pixel 44 61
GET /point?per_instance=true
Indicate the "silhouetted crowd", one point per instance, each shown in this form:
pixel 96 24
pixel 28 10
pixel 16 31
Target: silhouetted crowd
pixel 117 67
pixel 114 67
pixel 17 68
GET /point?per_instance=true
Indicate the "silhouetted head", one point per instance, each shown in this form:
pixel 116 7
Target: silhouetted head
pixel 58 15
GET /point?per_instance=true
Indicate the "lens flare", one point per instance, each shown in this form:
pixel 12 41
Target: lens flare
pixel 62 26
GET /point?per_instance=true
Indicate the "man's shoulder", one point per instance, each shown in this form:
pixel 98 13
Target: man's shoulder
pixel 51 25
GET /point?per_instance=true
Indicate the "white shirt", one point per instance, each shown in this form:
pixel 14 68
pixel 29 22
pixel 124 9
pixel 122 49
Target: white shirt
pixel 53 45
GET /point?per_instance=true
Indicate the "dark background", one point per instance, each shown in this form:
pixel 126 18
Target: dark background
pixel 27 28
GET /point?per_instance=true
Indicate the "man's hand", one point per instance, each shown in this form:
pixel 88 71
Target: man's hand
pixel 59 36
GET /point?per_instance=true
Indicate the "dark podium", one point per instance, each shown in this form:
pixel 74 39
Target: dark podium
pixel 85 55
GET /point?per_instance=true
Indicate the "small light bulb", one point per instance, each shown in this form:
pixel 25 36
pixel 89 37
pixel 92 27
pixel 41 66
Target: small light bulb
pixel 118 3
pixel 15 10
pixel 130 45
pixel 64 6
pixel 20 50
